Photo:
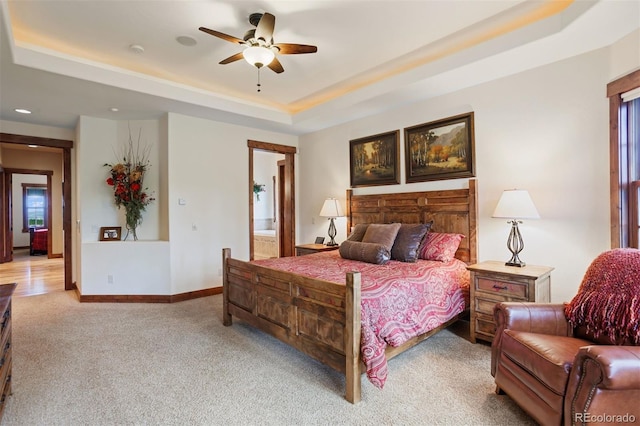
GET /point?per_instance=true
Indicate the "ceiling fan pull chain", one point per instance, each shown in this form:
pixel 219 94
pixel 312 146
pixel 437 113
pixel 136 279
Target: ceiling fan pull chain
pixel 259 80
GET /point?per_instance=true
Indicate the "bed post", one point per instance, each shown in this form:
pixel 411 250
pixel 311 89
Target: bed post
pixel 473 224
pixel 348 211
pixel 352 337
pixel 226 318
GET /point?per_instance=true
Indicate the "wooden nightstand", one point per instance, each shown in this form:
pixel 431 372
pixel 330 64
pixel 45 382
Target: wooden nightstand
pixel 493 282
pixel 303 249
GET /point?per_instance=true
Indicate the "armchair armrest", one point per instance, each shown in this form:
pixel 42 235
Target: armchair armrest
pixel 619 365
pixel 604 379
pixel 543 318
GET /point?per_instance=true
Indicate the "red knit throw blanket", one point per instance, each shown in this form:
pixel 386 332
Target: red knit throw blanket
pixel 608 300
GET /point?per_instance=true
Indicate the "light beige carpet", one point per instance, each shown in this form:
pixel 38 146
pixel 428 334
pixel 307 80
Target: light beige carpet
pixel 175 364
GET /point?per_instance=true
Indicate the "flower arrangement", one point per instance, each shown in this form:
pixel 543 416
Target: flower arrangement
pixel 257 189
pixel 127 180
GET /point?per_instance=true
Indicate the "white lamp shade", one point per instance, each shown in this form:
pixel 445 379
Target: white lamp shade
pixel 258 56
pixel 516 204
pixel 331 208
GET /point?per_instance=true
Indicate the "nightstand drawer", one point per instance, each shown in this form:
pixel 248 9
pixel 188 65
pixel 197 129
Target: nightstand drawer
pixel 485 305
pixel 485 326
pixel 503 288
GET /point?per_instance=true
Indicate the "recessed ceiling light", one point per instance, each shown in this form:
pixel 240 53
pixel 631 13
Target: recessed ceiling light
pixel 136 48
pixel 22 111
pixel 114 109
pixel 186 40
pixel 32 146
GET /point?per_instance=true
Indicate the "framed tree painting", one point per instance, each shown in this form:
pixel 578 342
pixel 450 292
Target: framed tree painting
pixel 442 149
pixel 374 160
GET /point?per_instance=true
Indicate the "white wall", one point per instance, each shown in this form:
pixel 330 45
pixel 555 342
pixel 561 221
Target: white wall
pixel 21 239
pixel 102 141
pixel 544 130
pixel 128 267
pixel 209 170
pixel 625 55
pixel 17 128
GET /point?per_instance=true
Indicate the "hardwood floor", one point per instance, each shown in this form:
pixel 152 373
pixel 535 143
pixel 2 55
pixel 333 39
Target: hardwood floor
pixel 34 274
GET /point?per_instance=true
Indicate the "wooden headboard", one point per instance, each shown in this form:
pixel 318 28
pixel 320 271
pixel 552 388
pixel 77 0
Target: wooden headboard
pixel 453 210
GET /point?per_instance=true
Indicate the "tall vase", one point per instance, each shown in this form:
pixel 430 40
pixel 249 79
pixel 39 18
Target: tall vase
pixel 133 219
pixel 131 230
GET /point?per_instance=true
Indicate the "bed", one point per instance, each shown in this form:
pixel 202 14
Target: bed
pixel 323 318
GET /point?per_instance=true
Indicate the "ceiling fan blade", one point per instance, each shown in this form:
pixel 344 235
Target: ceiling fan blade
pixel 293 49
pixel 264 30
pixel 276 66
pixel 232 58
pixel 223 36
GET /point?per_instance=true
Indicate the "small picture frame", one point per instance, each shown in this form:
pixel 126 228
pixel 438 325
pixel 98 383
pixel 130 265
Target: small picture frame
pixel 319 240
pixel 110 233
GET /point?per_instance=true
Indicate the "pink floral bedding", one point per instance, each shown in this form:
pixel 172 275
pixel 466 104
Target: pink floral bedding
pixel 399 300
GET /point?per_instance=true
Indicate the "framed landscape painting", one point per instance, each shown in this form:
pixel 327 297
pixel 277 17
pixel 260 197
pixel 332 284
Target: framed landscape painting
pixel 374 160
pixel 442 149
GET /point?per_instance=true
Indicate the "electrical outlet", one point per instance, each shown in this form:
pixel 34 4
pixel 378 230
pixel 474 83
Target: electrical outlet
pixel 194 227
pixel 109 279
pixel 313 220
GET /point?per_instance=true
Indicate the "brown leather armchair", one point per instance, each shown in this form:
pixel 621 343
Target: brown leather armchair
pixel 560 371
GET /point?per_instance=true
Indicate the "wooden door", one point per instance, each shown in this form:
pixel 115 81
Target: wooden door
pixel 6 228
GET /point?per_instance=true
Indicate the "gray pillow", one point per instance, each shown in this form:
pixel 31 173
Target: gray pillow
pixel 365 252
pixel 384 234
pixel 358 232
pixel 405 247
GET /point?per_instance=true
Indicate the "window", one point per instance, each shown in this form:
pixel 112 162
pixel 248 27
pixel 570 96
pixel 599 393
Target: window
pixel 34 206
pixel 624 111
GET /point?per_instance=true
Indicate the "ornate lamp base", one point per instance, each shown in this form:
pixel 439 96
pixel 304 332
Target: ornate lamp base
pixel 515 245
pixel 332 233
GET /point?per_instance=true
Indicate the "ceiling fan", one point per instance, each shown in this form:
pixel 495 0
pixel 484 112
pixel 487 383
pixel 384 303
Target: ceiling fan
pixel 260 50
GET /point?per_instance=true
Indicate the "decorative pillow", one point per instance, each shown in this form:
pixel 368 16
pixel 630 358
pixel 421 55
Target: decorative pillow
pixel 358 232
pixel 365 252
pixel 405 247
pixel 384 234
pixel 606 309
pixel 440 246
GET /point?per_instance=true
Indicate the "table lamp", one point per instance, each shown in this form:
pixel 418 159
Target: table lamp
pixel 515 204
pixel 331 209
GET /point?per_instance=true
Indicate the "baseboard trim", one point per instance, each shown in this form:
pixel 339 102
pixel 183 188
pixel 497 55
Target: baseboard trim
pixel 150 298
pixel 55 256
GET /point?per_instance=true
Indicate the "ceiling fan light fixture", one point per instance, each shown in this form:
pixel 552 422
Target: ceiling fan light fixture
pixel 258 56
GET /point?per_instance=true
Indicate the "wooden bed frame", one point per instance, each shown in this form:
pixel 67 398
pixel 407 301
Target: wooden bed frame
pixel 322 318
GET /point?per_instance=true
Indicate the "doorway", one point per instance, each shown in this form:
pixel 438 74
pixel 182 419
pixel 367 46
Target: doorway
pixel 6 231
pixel 24 214
pixel 284 196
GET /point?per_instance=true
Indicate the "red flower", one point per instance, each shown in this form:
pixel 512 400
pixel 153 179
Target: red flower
pixel 110 181
pixel 135 186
